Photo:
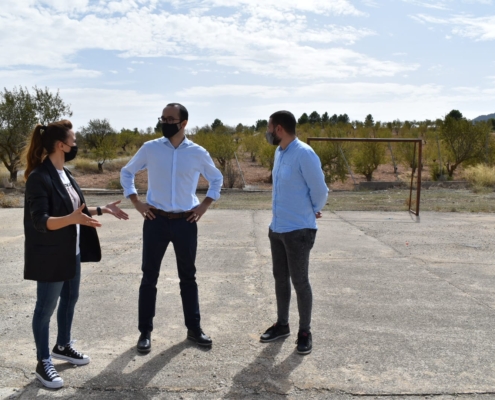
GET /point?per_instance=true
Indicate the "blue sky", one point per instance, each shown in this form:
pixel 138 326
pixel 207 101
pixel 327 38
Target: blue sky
pixel 241 60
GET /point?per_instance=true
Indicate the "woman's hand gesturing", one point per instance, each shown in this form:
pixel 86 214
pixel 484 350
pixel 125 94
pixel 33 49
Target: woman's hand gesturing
pixel 78 217
pixel 117 212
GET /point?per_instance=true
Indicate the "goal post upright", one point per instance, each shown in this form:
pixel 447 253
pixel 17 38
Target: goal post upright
pixel 417 142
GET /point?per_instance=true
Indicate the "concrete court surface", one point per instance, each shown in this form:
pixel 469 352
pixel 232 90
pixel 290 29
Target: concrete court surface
pixel 401 310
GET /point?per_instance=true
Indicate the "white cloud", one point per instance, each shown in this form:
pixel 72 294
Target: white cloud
pixel 264 92
pixel 438 5
pixel 245 42
pixel 32 76
pixel 336 7
pixel 477 28
pixel 343 91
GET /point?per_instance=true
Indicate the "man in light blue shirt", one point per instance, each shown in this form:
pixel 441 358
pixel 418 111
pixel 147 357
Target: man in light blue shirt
pixel 170 214
pixel 299 194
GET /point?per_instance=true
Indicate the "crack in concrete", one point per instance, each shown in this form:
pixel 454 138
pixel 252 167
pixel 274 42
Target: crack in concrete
pixel 17 368
pixel 419 261
pixel 366 233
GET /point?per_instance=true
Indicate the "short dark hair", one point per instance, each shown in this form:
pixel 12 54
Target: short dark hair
pixel 286 120
pixel 183 113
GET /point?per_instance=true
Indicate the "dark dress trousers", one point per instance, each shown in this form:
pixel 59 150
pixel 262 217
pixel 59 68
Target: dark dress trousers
pixel 50 256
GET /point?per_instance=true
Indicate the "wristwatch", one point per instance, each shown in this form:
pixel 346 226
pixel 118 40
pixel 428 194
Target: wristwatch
pixel 98 210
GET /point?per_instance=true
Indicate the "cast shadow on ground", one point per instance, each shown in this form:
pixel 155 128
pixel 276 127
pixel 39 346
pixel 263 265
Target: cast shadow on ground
pixel 114 376
pixel 263 375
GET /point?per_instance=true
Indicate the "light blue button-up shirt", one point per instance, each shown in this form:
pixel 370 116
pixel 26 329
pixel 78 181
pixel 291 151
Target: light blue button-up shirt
pixel 299 188
pixel 173 174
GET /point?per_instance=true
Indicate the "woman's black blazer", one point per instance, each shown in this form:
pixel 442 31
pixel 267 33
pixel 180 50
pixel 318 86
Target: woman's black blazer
pixel 50 256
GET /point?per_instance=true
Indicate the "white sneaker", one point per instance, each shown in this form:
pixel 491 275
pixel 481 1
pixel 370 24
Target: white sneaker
pixel 68 353
pixel 47 375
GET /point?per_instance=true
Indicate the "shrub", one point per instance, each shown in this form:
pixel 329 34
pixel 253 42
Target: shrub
pixel 114 184
pixel 437 175
pixel 480 175
pixel 231 177
pixel 8 202
pixel 85 165
pixel 88 166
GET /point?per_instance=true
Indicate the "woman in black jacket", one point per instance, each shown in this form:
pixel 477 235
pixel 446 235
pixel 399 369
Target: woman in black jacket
pixel 59 234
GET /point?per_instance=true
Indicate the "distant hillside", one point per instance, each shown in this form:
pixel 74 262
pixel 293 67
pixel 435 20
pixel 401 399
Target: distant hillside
pixel 484 117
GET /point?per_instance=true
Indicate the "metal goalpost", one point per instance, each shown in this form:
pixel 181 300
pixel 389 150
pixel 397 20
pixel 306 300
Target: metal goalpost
pixel 418 143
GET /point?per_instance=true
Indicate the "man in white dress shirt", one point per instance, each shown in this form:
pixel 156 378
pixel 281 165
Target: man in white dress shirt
pixel 171 212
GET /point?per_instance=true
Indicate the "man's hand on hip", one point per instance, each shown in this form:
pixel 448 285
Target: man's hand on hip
pixel 198 211
pixel 143 208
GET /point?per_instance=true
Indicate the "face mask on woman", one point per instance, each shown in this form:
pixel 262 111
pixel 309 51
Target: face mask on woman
pixel 71 154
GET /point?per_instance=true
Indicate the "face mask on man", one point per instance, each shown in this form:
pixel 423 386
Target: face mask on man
pixel 272 138
pixel 71 154
pixel 169 130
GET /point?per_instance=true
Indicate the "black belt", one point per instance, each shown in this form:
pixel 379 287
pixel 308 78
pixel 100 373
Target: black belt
pixel 170 215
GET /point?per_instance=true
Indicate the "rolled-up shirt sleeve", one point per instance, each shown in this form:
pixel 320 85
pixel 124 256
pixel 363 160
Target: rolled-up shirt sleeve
pixel 315 179
pixel 127 174
pixel 213 175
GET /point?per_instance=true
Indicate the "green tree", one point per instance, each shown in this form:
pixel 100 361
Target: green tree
pixel 368 157
pixel 406 154
pixel 465 141
pixel 325 118
pixel 101 138
pixel 17 119
pixel 216 124
pixel 314 118
pixel 261 125
pixel 343 119
pixel 303 119
pixel 126 138
pixel 49 106
pixel 456 114
pixel 19 113
pixel 239 128
pixel 331 155
pixel 251 144
pixel 368 121
pixel 267 157
pixel 219 143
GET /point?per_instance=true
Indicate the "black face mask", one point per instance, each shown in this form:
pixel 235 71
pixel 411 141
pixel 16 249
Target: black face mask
pixel 170 130
pixel 272 138
pixel 71 154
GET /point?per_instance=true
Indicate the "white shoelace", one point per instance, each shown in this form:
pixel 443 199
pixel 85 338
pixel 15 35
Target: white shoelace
pixel 50 369
pixel 73 350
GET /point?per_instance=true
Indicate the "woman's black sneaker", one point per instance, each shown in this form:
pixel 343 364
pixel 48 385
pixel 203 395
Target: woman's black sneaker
pixel 68 353
pixel 47 374
pixel 275 332
pixel 304 342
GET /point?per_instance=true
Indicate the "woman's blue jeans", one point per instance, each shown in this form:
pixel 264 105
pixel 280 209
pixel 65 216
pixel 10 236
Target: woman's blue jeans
pixel 47 297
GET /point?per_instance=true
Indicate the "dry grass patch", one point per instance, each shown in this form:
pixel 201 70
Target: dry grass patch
pixel 9 201
pixel 89 166
pixel 480 176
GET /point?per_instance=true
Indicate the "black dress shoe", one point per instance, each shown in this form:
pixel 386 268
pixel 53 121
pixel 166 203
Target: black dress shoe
pixel 198 336
pixel 144 342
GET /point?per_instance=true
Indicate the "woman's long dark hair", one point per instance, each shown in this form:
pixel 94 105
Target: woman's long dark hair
pixel 43 141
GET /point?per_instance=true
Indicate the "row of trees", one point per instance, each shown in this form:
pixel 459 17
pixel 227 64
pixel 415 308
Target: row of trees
pixel 450 142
